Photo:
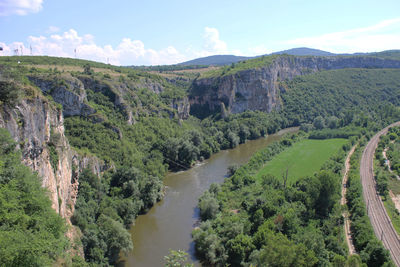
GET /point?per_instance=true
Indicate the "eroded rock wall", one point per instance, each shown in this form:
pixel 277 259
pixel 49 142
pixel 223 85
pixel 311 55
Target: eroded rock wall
pixel 37 127
pixel 259 88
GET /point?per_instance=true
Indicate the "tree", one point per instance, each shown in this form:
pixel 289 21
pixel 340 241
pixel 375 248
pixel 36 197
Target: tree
pixel 319 123
pixel 239 249
pixel 332 122
pixel 87 69
pixel 9 92
pixel 280 251
pixel 375 254
pixel 329 192
pixel 115 236
pixel 354 261
pixel 233 139
pixel 177 258
pixel 232 169
pixel 208 206
pixel 306 127
pixel 244 133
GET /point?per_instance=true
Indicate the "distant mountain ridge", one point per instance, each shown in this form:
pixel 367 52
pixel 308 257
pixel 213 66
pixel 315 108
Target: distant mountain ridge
pixel 305 51
pixel 221 60
pixel 217 60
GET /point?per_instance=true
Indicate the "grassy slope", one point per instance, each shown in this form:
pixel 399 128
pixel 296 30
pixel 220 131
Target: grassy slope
pixel 240 66
pixel 304 158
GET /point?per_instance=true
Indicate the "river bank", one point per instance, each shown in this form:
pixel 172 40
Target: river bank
pixel 169 223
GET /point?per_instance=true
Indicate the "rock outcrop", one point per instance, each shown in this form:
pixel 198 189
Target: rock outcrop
pixel 67 91
pixel 37 126
pixel 182 107
pixel 259 88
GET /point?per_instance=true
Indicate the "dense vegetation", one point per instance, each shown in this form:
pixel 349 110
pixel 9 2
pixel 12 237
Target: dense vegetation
pixel 366 243
pixel 31 232
pixel 258 62
pixel 386 173
pixel 266 221
pixel 342 94
pixel 328 104
pixel 392 142
pixel 249 219
pixel 141 153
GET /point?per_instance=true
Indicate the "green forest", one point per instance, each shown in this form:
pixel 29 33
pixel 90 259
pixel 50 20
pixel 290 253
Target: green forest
pixel 289 216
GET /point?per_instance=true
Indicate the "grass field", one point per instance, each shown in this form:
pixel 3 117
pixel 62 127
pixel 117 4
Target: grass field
pixel 302 159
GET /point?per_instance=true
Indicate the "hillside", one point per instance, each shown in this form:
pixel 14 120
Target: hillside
pixel 75 124
pixel 76 121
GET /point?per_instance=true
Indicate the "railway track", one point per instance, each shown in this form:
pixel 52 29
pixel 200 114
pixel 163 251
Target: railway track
pixel 380 221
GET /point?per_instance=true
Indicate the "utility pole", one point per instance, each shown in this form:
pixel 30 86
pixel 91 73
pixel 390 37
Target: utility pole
pixel 30 46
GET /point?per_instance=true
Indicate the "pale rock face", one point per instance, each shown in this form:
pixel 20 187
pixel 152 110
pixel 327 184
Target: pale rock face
pixel 182 107
pixel 71 95
pixel 33 124
pixel 259 89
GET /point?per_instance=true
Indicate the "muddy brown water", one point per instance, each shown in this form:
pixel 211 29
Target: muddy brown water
pixel 169 223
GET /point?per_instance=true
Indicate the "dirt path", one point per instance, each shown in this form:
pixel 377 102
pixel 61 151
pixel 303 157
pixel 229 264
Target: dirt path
pixel 380 221
pixel 345 214
pixel 395 199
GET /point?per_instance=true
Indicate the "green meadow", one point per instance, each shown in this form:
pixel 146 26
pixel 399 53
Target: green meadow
pixel 302 159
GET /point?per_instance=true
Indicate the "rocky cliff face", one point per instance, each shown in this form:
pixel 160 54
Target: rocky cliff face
pixel 182 107
pixel 259 89
pixel 37 126
pixel 68 91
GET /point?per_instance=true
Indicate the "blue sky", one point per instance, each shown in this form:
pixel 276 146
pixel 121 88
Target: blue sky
pixel 152 32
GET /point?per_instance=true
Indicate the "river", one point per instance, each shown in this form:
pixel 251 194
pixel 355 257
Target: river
pixel 169 223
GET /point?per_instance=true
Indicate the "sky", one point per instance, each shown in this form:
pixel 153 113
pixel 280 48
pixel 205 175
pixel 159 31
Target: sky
pixel 150 32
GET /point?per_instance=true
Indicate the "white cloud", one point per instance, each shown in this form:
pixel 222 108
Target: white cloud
pixel 127 52
pixel 212 43
pixel 381 36
pixel 19 7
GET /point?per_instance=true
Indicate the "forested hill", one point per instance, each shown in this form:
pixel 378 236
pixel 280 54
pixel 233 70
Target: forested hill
pixel 102 137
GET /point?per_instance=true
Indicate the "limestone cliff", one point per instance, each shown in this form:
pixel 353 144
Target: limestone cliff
pixel 259 88
pixel 37 126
